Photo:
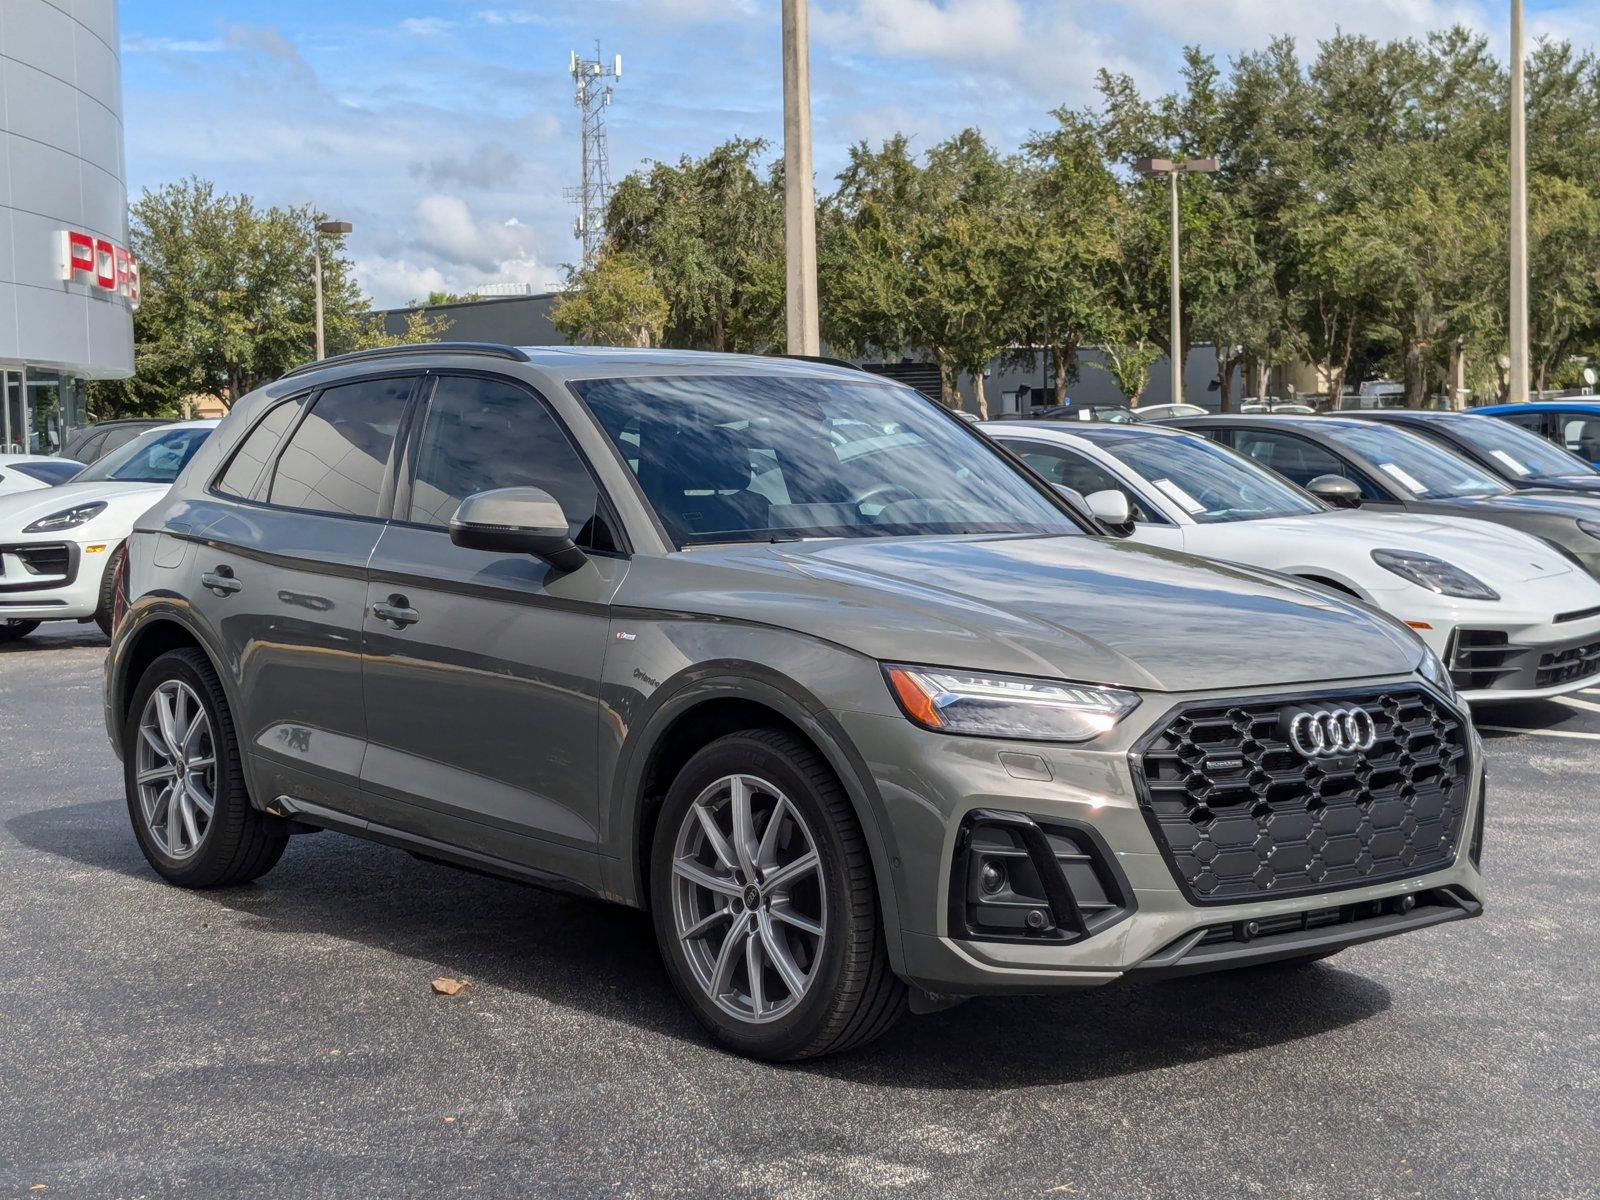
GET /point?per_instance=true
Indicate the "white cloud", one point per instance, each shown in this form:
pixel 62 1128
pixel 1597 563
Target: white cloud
pixel 426 26
pixel 169 45
pixel 955 30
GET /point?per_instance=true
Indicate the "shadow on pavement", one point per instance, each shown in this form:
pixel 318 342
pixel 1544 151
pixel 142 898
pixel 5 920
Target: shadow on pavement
pixel 602 959
pixel 1509 717
pixel 57 636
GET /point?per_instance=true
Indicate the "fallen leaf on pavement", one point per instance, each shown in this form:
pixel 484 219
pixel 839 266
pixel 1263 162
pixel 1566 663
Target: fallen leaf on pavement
pixel 446 986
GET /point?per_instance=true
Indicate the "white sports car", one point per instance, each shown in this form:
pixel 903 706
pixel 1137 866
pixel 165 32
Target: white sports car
pixel 59 546
pixel 1457 582
pixel 30 472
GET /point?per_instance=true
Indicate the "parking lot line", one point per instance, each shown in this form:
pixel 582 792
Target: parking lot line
pixel 1585 705
pixel 1557 733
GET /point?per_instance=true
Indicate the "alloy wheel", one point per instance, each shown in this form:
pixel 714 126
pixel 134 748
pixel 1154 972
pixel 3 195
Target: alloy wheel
pixel 749 901
pixel 176 769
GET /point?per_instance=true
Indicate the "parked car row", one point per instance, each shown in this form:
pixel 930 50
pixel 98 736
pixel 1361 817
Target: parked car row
pixel 872 709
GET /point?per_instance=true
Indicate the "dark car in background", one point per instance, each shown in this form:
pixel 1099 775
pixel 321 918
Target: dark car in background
pixel 1573 425
pixel 1517 457
pixel 93 442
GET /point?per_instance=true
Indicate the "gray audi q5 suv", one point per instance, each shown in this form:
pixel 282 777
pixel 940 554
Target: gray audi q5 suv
pixel 852 702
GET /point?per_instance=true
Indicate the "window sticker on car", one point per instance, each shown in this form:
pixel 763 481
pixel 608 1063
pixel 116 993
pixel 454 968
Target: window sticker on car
pixel 1508 462
pixel 1178 496
pixel 1403 477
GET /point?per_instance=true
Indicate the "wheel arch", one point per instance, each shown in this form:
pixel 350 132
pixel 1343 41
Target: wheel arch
pixel 146 636
pixel 706 704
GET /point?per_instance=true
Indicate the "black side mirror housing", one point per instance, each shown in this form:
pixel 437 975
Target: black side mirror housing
pixel 525 520
pixel 1335 490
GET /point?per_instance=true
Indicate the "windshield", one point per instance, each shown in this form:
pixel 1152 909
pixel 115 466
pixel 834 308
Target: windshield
pixel 1209 482
pixel 61 470
pixel 1518 452
pixel 1416 466
pixel 767 458
pixel 154 457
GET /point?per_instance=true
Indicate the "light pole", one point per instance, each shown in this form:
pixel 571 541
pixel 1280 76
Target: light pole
pixel 1165 166
pixel 1519 214
pixel 800 195
pixel 337 228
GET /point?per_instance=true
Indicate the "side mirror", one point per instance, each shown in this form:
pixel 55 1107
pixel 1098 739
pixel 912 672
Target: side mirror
pixel 1111 509
pixel 1335 490
pixel 524 520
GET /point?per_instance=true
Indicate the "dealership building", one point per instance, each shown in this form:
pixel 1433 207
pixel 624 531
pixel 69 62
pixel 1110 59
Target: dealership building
pixel 68 285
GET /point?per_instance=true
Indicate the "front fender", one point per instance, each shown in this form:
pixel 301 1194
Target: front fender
pixel 651 718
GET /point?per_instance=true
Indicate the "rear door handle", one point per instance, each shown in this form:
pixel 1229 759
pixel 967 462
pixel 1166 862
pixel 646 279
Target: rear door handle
pixel 396 611
pixel 221 581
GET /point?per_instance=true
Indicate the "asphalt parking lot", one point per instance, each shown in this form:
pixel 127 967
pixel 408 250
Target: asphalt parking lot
pixel 282 1039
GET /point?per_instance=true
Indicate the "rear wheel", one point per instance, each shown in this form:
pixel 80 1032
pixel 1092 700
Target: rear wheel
pixel 15 631
pixel 185 783
pixel 765 905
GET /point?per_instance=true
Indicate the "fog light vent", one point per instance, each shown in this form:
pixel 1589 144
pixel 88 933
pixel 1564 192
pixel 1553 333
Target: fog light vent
pixel 1016 879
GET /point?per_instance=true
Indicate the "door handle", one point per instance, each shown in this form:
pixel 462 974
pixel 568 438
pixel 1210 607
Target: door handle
pixel 396 610
pixel 221 581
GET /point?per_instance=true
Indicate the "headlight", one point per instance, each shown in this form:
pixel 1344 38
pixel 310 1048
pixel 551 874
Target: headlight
pixel 1592 528
pixel 1434 574
pixel 1007 705
pixel 69 519
pixel 1433 670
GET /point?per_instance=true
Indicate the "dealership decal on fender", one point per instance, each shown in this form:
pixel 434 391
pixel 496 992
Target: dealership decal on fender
pixel 100 263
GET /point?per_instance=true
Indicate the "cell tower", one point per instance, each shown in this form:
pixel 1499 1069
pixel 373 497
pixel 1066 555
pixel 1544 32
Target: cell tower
pixel 593 79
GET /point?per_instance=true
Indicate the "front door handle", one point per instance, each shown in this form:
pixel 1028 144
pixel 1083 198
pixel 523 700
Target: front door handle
pixel 221 581
pixel 397 611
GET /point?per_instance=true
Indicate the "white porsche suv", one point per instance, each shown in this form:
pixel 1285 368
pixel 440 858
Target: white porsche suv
pixel 59 546
pixel 1455 581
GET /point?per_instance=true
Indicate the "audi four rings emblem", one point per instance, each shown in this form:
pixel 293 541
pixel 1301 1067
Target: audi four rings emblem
pixel 1328 734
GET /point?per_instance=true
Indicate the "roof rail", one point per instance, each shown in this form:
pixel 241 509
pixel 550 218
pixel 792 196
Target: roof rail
pixel 819 358
pixel 493 349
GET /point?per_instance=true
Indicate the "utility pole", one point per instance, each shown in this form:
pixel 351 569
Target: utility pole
pixel 800 191
pixel 1165 166
pixel 593 88
pixel 333 229
pixel 1519 213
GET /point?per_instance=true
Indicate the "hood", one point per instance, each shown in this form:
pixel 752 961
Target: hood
pixel 1533 502
pixel 1066 607
pixel 1568 485
pixel 1493 553
pixel 19 510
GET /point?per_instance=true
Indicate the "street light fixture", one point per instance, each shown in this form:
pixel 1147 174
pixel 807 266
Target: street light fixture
pixel 1171 169
pixel 333 229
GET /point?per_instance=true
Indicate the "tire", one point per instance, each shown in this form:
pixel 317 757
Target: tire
pixel 848 995
pixel 237 843
pixel 15 631
pixel 108 590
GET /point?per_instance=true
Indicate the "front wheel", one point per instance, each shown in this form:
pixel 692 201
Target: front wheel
pixel 765 905
pixel 15 631
pixel 106 607
pixel 185 782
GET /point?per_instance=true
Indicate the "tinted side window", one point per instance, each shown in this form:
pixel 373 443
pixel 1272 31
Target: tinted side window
pixel 1078 473
pixel 255 452
pixel 1580 433
pixel 483 434
pixel 1298 460
pixel 1536 422
pixel 335 461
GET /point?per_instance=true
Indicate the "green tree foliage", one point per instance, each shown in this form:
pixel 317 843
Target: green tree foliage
pixel 710 233
pixel 616 302
pixel 228 301
pixel 1358 225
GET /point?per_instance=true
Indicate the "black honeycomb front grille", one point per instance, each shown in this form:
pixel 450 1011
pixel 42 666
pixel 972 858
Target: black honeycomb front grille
pixel 1240 814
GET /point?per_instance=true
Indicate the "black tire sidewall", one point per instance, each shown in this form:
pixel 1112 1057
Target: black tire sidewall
pixel 108 595
pixel 15 631
pixel 741 755
pixel 230 799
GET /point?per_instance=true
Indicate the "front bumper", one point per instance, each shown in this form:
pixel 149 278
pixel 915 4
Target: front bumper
pixel 931 785
pixel 45 578
pixel 1500 663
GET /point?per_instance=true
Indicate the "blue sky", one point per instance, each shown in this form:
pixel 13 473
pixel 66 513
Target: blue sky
pixel 445 128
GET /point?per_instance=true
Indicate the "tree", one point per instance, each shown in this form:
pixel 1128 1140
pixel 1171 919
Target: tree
pixel 227 299
pixel 709 232
pixel 616 302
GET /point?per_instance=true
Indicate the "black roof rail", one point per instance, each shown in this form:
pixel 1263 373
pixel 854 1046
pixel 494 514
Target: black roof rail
pixel 823 359
pixel 493 349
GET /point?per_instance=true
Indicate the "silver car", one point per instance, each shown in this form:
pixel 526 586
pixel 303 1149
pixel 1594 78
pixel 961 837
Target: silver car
pixel 841 692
